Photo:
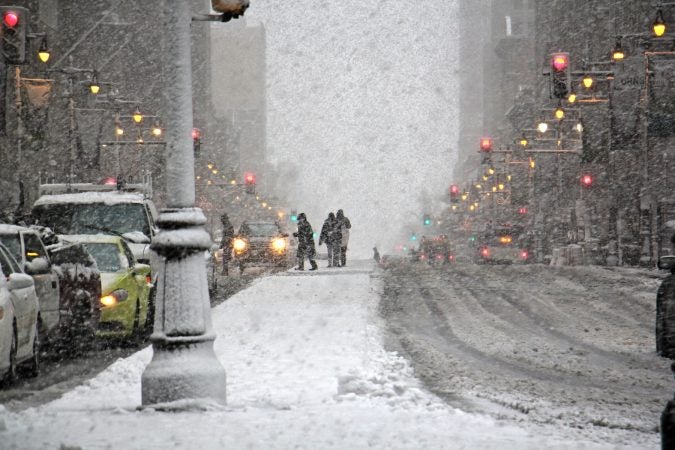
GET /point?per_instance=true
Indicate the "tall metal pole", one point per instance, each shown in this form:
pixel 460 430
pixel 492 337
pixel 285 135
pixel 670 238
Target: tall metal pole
pixel 184 365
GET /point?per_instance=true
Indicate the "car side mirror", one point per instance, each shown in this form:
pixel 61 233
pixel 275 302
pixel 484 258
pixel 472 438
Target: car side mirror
pixel 19 281
pixel 37 266
pixel 667 262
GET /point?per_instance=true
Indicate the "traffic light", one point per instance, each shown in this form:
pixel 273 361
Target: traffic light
pixel 14 24
pixel 486 144
pixel 413 237
pixel 197 141
pixel 522 210
pixel 249 181
pixel 560 74
pixel 454 193
pixel 427 220
pixel 294 215
pixel 586 180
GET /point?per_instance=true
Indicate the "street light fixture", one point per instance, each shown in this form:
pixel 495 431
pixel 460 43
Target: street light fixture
pixel 94 86
pixel 542 127
pixel 559 112
pixel 659 25
pixel 157 130
pixel 572 97
pixel 617 53
pixel 523 141
pixel 43 51
pixel 587 81
pixel 137 116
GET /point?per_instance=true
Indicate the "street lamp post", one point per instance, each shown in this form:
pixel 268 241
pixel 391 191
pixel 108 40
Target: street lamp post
pixel 184 365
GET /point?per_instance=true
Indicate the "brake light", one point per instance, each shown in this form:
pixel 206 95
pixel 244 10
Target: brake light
pixel 524 254
pixel 485 252
pixel 451 257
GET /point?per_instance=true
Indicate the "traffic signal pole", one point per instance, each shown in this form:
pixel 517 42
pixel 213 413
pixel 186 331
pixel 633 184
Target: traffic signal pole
pixel 183 365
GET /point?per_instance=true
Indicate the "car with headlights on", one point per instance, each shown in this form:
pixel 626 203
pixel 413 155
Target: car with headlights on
pixel 125 286
pixel 19 308
pixel 260 243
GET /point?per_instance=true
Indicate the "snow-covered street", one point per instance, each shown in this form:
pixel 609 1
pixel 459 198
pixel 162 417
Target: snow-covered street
pixel 306 367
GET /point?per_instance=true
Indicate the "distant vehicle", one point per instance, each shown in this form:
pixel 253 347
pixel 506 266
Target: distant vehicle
pixel 436 250
pixel 502 244
pixel 80 294
pixel 26 247
pixel 260 244
pixel 125 287
pixel 19 309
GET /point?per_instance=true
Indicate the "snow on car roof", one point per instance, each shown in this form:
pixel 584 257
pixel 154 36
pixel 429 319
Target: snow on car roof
pixel 90 238
pixel 108 198
pixel 6 228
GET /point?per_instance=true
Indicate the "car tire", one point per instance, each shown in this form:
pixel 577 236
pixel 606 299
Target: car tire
pixel 33 365
pixel 150 316
pixel 11 375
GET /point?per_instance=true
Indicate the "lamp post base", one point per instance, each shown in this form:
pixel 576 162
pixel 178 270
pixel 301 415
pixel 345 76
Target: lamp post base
pixel 180 371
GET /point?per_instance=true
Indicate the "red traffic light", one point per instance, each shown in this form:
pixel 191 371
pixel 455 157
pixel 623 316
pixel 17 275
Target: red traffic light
pixel 522 210
pixel 454 189
pixel 586 180
pixel 559 61
pixel 196 133
pixel 10 19
pixel 486 144
pixel 249 178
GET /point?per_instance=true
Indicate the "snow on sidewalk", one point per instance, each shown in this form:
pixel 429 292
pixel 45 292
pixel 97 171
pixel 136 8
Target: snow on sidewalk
pixel 306 369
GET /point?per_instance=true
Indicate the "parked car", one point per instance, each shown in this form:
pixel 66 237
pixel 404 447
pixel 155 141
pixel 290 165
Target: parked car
pixel 25 245
pixel 19 309
pixel 114 209
pixel 260 244
pixel 88 208
pixel 125 286
pixel 80 295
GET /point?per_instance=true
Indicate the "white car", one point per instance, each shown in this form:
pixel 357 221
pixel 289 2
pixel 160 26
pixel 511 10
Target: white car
pixel 19 307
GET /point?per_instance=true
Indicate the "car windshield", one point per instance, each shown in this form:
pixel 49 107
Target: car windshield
pixel 91 218
pixel 107 256
pixel 72 254
pixel 259 229
pixel 13 244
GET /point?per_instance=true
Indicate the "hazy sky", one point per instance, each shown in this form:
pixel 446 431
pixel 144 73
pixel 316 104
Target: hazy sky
pixel 362 98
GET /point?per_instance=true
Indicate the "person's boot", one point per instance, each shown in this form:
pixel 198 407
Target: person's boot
pixel 314 266
pixel 301 265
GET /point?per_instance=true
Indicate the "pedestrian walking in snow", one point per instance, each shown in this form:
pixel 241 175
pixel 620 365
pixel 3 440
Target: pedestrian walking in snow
pixel 376 255
pixel 226 242
pixel 344 225
pixel 331 237
pixel 306 248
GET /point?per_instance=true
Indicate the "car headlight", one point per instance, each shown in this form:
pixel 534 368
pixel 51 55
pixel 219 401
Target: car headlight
pixel 239 245
pixel 279 244
pixel 115 297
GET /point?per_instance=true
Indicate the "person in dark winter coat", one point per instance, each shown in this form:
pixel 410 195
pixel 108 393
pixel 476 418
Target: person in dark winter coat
pixel 226 242
pixel 665 314
pixel 306 248
pixel 331 237
pixel 344 225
